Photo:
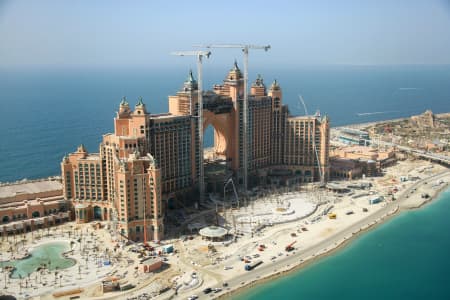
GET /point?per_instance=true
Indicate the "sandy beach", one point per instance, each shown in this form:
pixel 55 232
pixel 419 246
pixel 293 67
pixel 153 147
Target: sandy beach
pixel 342 238
pixel 320 239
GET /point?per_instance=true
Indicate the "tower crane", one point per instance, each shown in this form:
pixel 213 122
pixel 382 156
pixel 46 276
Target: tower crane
pixel 244 48
pixel 313 141
pixel 199 55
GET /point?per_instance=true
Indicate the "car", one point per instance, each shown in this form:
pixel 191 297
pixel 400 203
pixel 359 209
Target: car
pixel 193 297
pixel 217 290
pixel 227 267
pixel 207 290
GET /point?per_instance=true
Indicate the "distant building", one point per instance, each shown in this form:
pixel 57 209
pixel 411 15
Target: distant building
pixel 151 161
pixel 427 119
pixel 353 136
pixel 355 161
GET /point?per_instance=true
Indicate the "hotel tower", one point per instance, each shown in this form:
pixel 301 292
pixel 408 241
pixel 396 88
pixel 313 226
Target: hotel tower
pixel 151 161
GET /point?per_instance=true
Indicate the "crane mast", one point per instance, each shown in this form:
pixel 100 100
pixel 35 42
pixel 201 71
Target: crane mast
pixel 312 137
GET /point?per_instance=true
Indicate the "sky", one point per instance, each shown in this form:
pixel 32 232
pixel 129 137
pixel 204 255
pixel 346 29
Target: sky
pixel 108 34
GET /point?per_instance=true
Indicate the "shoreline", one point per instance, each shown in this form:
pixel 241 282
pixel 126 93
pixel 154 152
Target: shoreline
pixel 371 123
pixel 336 247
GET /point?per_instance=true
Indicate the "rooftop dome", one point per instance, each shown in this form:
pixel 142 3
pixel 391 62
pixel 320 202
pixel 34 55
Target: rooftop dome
pixel 235 73
pixel 213 231
pixel 275 85
pixel 140 107
pixel 190 84
pixel 124 108
pixel 259 81
pixel 124 102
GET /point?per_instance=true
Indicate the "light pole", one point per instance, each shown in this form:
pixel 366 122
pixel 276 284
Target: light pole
pixel 244 48
pixel 199 55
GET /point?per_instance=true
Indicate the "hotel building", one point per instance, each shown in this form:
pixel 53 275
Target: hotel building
pixel 151 161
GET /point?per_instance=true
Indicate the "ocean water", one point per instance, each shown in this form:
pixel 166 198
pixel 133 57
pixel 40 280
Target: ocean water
pixel 405 258
pixel 45 114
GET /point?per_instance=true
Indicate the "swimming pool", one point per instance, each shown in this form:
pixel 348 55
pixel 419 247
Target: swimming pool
pixel 50 254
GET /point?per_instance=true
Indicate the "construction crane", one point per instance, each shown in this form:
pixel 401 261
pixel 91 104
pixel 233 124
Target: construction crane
pixel 290 247
pixel 230 180
pixel 322 180
pixel 244 48
pixel 200 55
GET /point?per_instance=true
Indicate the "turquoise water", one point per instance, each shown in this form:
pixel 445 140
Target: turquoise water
pixel 406 258
pixel 43 254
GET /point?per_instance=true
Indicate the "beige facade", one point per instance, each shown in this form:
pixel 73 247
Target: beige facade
pixel 27 205
pixel 355 161
pixel 151 161
pixel 123 182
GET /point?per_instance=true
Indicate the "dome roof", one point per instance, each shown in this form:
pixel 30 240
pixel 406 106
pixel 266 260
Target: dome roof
pixel 81 148
pixel 124 102
pixel 190 84
pixel 275 85
pixel 140 103
pixel 235 73
pixel 259 81
pixel 213 231
pixel 140 107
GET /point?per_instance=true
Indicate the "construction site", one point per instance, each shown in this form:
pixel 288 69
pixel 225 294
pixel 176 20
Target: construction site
pixel 427 131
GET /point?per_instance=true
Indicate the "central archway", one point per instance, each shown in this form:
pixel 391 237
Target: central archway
pixel 218 159
pixel 223 132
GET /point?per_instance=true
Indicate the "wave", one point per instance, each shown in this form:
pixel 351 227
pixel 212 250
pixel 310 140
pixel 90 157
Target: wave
pixel 376 113
pixel 408 88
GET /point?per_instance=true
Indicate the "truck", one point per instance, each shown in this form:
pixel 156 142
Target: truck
pixel 251 266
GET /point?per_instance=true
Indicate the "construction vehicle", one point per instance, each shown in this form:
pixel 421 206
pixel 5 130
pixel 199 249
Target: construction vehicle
pixel 249 267
pixel 331 216
pixel 290 246
pixel 148 247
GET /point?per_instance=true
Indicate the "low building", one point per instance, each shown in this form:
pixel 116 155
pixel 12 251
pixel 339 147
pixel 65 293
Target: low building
pixel 26 205
pixel 344 168
pixel 353 136
pixel 151 265
pixel 358 161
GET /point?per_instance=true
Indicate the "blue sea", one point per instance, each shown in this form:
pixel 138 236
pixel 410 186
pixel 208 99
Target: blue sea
pixel 45 114
pixel 405 258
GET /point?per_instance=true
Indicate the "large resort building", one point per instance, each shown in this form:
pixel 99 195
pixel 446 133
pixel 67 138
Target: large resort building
pixel 151 161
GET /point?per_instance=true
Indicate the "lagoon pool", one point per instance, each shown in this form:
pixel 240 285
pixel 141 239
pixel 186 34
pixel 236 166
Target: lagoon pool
pixel 50 254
